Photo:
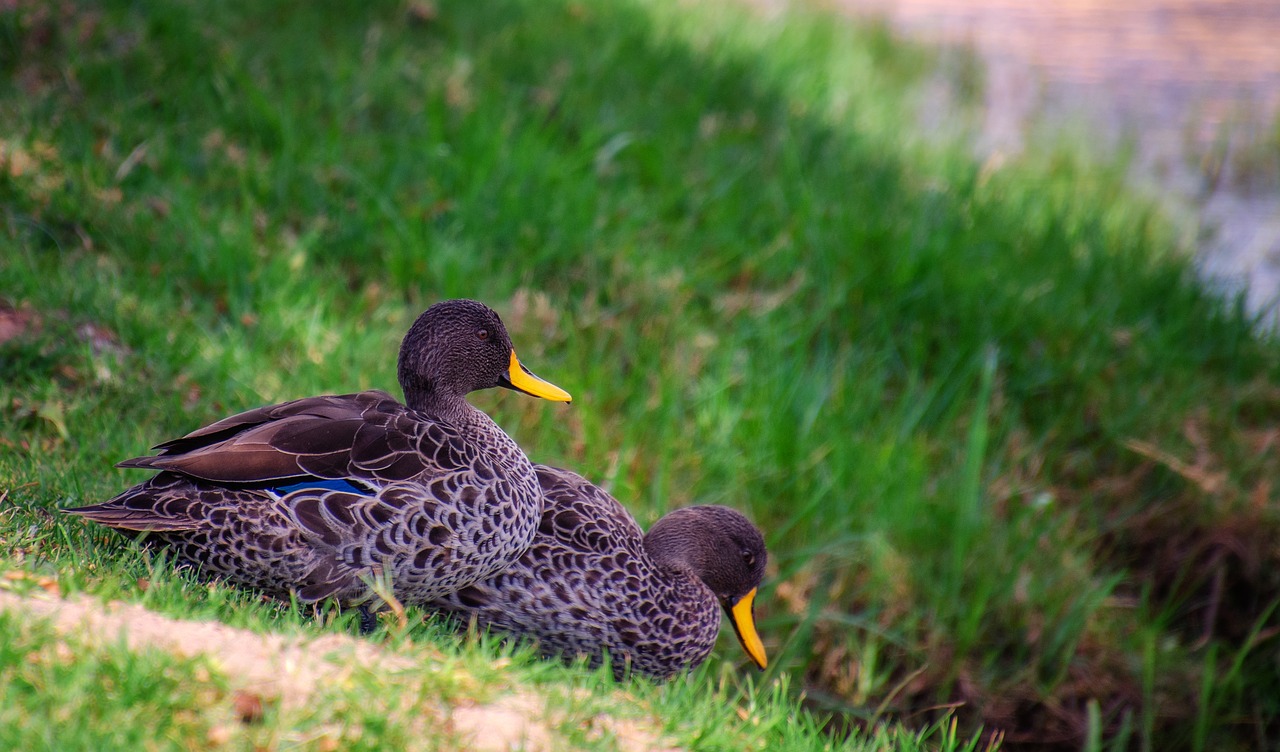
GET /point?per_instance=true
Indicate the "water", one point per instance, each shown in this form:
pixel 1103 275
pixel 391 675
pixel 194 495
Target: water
pixel 1193 85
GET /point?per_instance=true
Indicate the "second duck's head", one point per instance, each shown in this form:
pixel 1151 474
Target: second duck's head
pixel 459 346
pixel 723 549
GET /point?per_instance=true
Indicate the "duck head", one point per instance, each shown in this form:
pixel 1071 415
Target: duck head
pixel 723 549
pixel 460 346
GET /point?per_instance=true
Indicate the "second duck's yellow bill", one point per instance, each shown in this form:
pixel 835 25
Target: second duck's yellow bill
pixel 744 624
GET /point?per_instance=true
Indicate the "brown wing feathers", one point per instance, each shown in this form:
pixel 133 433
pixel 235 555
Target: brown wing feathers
pixel 319 436
pixel 333 407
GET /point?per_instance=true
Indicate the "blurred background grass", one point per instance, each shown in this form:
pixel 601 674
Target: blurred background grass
pixel 1011 457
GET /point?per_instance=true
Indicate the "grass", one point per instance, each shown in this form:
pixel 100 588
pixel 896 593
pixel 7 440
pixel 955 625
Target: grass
pixel 1011 457
pixel 1243 154
pixel 52 690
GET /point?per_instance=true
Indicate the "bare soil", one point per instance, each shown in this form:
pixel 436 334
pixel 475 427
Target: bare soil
pixel 289 670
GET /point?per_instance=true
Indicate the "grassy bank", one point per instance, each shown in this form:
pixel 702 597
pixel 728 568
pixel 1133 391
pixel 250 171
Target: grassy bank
pixel 1012 460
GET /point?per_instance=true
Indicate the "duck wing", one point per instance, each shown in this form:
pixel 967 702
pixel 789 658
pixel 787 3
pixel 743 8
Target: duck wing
pixel 582 517
pixel 333 407
pixel 364 435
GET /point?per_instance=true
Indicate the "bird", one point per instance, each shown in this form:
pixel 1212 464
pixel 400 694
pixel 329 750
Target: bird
pixel 592 583
pixel 329 497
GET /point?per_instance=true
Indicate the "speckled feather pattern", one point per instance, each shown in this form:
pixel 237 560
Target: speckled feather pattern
pixel 441 512
pixel 587 585
pixel 436 495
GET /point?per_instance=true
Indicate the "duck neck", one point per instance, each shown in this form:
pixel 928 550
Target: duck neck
pixel 453 408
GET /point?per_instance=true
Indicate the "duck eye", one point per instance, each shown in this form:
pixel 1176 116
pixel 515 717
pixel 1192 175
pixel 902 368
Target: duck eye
pixel 748 558
pixel 482 333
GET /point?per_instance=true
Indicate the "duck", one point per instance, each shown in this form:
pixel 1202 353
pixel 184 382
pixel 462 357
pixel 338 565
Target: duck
pixel 593 584
pixel 333 496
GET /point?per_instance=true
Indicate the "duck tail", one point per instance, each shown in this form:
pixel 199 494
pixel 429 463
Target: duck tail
pixel 156 506
pixel 116 515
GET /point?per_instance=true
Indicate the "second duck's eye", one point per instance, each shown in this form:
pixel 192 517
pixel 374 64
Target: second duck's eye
pixel 482 333
pixel 748 558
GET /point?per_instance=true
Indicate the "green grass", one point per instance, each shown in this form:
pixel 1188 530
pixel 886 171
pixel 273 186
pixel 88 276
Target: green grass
pixel 1010 456
pixel 52 695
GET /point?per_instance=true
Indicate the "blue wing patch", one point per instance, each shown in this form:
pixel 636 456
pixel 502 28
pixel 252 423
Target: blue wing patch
pixel 322 485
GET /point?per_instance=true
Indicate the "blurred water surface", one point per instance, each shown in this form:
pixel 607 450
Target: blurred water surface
pixel 1192 85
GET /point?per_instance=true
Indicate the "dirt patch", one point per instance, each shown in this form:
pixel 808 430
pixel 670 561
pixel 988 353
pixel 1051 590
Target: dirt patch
pixel 289 669
pixel 16 322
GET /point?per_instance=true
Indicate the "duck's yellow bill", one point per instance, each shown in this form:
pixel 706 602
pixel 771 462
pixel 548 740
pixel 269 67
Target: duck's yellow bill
pixel 744 624
pixel 522 379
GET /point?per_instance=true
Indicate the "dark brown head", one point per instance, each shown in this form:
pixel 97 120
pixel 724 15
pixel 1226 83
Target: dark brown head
pixel 723 549
pixel 459 346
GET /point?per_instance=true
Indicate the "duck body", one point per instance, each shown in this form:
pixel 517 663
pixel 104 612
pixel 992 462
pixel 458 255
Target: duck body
pixel 593 583
pixel 320 497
